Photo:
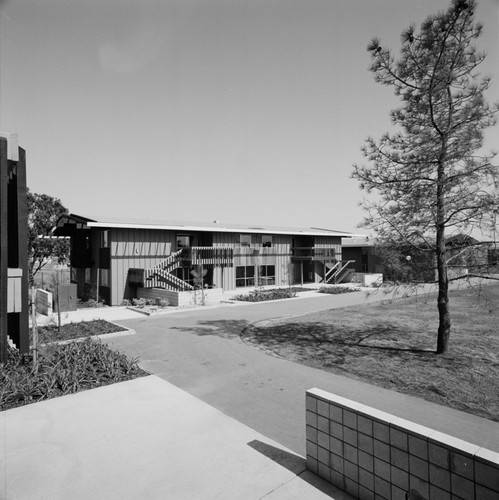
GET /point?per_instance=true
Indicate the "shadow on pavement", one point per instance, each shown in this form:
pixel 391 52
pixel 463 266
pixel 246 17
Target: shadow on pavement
pixel 290 461
pixel 297 465
pixel 225 328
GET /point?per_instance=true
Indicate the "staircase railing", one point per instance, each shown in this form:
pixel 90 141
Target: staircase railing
pixel 343 270
pixel 171 262
pixel 159 278
pixel 331 271
pixel 161 275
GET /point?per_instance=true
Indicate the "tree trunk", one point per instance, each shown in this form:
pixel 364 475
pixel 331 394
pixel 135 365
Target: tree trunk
pixel 444 322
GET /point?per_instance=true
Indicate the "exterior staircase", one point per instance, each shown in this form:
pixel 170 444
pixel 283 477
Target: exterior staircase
pixel 340 272
pixel 160 276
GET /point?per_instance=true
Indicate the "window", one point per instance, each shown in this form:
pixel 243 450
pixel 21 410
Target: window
pixel 104 238
pixel 184 273
pixel 183 241
pixel 88 275
pixel 266 275
pixel 267 240
pixel 245 276
pixel 104 277
pixel 250 240
pixel 245 240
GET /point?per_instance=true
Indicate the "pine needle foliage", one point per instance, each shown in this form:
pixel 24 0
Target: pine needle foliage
pixel 430 177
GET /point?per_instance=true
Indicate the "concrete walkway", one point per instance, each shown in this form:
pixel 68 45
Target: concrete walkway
pixel 201 352
pixel 219 420
pixel 144 439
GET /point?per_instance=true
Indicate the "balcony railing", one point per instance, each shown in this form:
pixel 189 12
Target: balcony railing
pixel 207 256
pixel 314 253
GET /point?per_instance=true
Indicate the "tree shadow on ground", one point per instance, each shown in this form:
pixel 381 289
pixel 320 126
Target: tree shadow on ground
pixel 320 336
pixel 225 328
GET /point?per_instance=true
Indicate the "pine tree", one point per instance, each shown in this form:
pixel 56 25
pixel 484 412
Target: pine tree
pixel 430 175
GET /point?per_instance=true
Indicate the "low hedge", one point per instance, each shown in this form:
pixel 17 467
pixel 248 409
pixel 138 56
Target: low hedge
pixel 264 295
pixel 335 290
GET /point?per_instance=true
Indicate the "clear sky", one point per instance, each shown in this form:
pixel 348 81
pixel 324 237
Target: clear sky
pixel 244 111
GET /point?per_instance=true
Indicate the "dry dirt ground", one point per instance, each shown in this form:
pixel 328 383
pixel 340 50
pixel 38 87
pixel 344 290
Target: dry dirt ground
pixel 392 344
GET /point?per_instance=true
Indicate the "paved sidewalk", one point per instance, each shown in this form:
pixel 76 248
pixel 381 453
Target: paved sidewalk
pixel 144 439
pixel 305 302
pixel 149 439
pixel 201 352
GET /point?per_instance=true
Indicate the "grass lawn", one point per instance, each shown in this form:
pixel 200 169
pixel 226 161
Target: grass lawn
pixel 392 344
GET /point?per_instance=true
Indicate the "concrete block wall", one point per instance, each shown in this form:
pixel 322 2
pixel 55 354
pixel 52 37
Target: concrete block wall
pixel 374 455
pixel 43 302
pixel 368 279
pixel 182 299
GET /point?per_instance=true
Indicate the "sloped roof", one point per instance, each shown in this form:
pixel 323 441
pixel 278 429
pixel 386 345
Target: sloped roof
pixel 111 222
pixel 358 241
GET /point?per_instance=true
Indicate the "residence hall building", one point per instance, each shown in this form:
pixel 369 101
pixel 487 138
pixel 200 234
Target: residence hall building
pixel 111 259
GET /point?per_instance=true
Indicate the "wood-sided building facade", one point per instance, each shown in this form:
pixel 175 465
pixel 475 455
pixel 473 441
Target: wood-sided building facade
pixel 14 282
pixel 110 259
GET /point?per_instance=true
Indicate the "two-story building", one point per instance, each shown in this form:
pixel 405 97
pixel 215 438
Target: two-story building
pixel 111 259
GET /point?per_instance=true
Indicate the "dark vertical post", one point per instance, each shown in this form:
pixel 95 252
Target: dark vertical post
pixel 22 249
pixel 3 249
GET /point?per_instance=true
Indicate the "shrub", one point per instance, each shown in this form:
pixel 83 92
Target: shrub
pixel 52 333
pixel 264 295
pixel 62 369
pixel 90 303
pixel 335 290
pixel 163 302
pixel 157 302
pixel 139 302
pixel 125 302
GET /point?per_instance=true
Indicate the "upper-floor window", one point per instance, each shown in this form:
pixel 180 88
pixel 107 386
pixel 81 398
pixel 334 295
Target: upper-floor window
pixel 255 240
pixel 104 238
pixel 183 241
pixel 246 240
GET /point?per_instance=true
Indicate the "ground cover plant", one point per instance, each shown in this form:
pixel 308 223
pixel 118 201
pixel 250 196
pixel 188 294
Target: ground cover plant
pixel 52 333
pixel 62 369
pixel 335 290
pixel 392 344
pixel 258 295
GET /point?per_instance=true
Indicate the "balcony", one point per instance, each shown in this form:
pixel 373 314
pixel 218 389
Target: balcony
pixel 207 256
pixel 314 254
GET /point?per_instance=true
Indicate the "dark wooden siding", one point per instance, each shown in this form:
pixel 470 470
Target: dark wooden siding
pixel 141 248
pixel 279 255
pixel 146 248
pixel 328 242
